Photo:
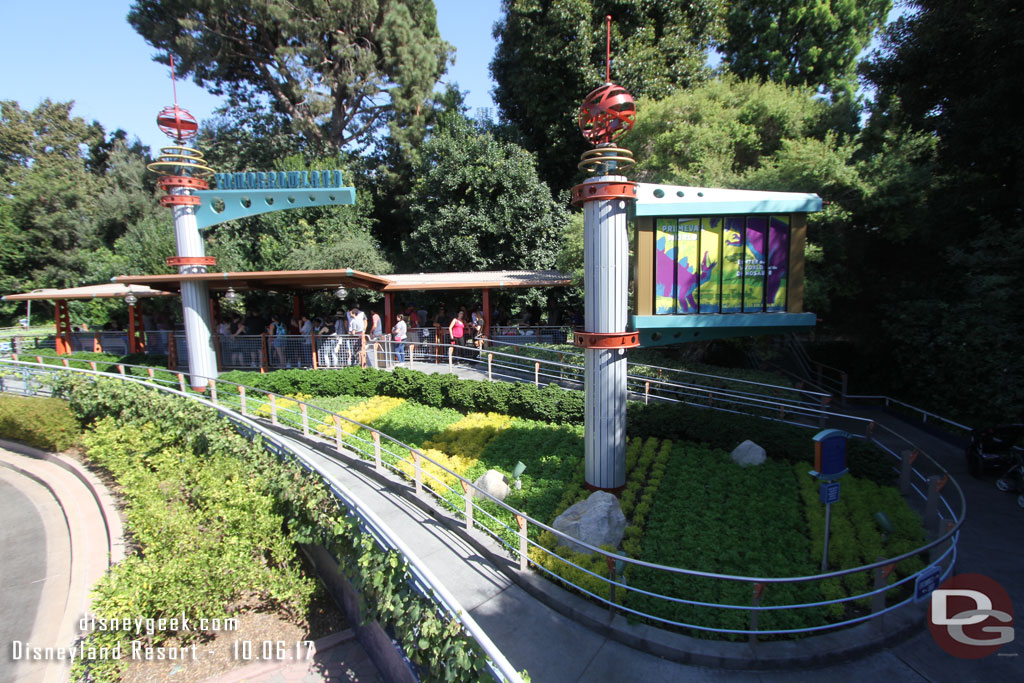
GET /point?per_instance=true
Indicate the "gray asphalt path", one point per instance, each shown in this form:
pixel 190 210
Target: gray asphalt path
pixel 22 563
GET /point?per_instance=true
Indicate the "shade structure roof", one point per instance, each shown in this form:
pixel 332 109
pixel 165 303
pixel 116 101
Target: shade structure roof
pixel 105 291
pixel 308 280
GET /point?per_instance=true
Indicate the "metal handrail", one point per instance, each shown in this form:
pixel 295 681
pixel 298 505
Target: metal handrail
pixel 951 535
pixel 377 527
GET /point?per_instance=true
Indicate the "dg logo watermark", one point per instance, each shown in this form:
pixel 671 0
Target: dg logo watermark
pixel 970 616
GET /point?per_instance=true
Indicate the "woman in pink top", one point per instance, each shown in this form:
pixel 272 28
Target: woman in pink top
pixel 456 331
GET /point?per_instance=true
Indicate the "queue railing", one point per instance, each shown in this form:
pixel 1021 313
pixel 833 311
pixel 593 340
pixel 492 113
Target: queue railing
pixel 938 497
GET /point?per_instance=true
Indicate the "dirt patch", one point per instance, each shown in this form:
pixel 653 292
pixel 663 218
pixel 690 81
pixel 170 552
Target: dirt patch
pixel 259 637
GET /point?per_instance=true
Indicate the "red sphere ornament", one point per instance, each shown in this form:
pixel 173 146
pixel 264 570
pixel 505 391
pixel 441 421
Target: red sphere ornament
pixel 176 123
pixel 607 113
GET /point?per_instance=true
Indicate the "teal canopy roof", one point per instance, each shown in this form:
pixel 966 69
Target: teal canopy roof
pixel 682 200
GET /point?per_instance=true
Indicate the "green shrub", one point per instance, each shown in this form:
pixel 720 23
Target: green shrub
pixel 303 507
pixel 44 423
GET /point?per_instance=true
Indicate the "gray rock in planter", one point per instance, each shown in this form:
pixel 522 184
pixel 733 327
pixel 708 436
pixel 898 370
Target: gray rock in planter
pixel 748 454
pixel 598 520
pixel 493 483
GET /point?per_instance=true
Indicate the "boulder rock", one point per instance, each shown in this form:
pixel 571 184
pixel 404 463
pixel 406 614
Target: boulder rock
pixel 493 483
pixel 598 520
pixel 748 454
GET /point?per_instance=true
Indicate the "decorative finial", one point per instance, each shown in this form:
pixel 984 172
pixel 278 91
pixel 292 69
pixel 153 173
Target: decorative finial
pixel 607 113
pixel 175 122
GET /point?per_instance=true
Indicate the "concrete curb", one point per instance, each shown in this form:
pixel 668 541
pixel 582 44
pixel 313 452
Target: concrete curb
pixel 113 523
pixel 809 652
pixel 80 546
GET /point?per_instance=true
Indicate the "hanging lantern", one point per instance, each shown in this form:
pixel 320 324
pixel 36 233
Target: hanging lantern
pixel 231 295
pixel 341 293
pixel 131 299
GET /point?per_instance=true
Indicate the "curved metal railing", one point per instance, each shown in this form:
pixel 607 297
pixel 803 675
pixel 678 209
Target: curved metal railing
pixel 919 473
pixel 424 580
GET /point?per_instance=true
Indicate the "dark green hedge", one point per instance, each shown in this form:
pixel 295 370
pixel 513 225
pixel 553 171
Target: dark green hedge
pixel 44 423
pixel 549 404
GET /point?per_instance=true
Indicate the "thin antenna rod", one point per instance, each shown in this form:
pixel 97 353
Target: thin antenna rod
pixel 607 52
pixel 174 83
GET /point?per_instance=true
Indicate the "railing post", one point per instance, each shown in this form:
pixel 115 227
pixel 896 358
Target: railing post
pixel 490 361
pixel 337 433
pixel 418 472
pixel 92 365
pixel 213 391
pixel 305 419
pixel 377 462
pixel 313 346
pixel 907 459
pixel 824 407
pixel 931 508
pixel 451 354
pixel 273 409
pixel 68 365
pixel 149 369
pixel 181 380
pixel 758 592
pixel 647 392
pixel 412 352
pixel 39 359
pixel 523 558
pixel 536 374
pixel 469 504
pixel 241 392
pixel 611 576
pixel 881 579
pixel 845 378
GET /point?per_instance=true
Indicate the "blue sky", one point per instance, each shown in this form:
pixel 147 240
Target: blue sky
pixel 87 52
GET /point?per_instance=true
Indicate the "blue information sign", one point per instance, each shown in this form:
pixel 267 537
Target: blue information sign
pixel 926 582
pixel 830 454
pixel 828 493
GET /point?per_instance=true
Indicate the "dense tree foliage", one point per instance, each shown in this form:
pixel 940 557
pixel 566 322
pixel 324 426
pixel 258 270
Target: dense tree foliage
pixel 801 42
pixel 338 71
pixel 478 204
pixel 551 54
pixel 950 71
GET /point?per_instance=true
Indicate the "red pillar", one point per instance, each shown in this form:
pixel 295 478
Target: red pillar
pixel 140 328
pixel 297 309
pixel 389 312
pixel 487 313
pixel 63 342
pixel 133 340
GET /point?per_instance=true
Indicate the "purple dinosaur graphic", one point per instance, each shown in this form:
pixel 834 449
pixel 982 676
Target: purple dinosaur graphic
pixel 689 282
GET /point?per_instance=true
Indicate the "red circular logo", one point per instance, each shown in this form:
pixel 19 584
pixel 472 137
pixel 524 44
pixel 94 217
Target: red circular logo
pixel 970 616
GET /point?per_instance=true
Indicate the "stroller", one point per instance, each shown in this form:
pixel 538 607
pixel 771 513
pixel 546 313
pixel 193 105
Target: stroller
pixel 998 448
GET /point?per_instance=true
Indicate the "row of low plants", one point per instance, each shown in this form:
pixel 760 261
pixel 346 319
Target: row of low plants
pixel 223 481
pixel 674 421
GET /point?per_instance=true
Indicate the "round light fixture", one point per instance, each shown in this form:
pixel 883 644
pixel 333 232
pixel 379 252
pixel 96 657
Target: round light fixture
pixel 131 299
pixel 231 295
pixel 341 293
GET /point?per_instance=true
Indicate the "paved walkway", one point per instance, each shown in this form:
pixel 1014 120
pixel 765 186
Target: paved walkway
pixel 56 541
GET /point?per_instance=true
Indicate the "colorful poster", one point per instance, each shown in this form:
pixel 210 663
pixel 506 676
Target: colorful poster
pixel 753 264
pixel 732 265
pixel 709 296
pixel 778 263
pixel 687 239
pixel 665 266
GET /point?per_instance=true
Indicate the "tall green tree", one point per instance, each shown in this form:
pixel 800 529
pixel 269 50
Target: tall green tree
pixel 551 54
pixel 949 70
pixel 340 71
pixel 801 42
pixel 50 193
pixel 478 205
